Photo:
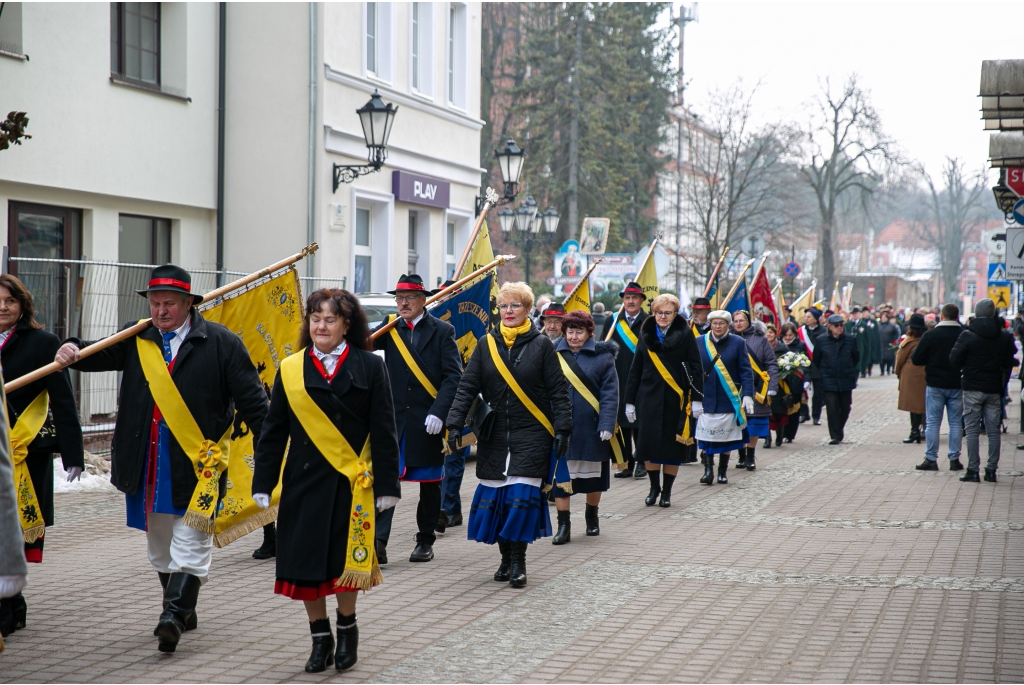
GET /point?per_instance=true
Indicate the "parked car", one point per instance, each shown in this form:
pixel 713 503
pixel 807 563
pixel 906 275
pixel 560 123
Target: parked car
pixel 378 306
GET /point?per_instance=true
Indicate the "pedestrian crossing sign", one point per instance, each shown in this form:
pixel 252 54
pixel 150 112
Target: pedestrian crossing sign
pixel 1000 294
pixel 997 272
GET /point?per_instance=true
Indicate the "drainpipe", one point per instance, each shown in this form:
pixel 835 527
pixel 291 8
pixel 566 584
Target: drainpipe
pixel 311 194
pixel 220 143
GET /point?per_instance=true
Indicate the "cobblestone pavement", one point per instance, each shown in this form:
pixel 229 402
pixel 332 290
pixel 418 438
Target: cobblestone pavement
pixel 826 564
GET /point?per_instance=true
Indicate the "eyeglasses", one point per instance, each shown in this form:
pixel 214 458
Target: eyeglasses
pixel 669 313
pixel 405 299
pixel 510 305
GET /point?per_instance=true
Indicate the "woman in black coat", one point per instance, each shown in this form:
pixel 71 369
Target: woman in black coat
pixel 24 347
pixel 316 517
pixel 796 382
pixel 514 455
pixel 653 402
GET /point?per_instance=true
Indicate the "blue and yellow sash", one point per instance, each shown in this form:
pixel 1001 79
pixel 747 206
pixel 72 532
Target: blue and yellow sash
pixel 727 383
pixel 628 337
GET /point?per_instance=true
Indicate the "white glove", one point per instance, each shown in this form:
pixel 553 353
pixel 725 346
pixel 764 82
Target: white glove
pixel 605 435
pixel 433 424
pixel 696 408
pixel 631 413
pixel 807 384
pixel 12 585
pixel 74 473
pixel 261 499
pixel 748 404
pixel 386 502
pixel 771 393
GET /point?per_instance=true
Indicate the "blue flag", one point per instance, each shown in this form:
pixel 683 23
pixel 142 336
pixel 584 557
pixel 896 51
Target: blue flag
pixel 469 313
pixel 739 299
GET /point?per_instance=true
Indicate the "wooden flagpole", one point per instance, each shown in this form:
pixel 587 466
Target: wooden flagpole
pixel 714 274
pixel 90 350
pixel 492 200
pixel 639 271
pixel 586 274
pixel 736 285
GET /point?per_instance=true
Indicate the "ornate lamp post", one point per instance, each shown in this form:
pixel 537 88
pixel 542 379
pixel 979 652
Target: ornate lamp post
pixel 376 117
pixel 510 163
pixel 522 227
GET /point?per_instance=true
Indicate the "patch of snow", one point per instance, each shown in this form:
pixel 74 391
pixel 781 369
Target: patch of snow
pixel 87 483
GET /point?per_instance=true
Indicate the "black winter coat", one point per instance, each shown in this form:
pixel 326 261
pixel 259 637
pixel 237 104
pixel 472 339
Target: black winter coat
pixel 214 375
pixel 836 360
pixel 439 358
pixel 657 405
pixel 813 335
pixel 515 430
pixel 625 358
pixel 932 352
pixel 316 500
pixel 984 355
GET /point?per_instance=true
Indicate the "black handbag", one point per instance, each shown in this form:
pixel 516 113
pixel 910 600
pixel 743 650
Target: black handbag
pixel 481 418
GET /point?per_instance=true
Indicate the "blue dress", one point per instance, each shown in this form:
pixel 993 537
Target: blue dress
pixel 733 353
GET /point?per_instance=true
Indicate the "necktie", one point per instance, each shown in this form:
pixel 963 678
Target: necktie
pixel 412 333
pixel 168 337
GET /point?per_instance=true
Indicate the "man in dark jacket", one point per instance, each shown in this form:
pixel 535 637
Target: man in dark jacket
pixel 942 389
pixel 809 334
pixel 211 371
pixel 836 358
pixel 984 356
pixel 424 367
pixel 632 315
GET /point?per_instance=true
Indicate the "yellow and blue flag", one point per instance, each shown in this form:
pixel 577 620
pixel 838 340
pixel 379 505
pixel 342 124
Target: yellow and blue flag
pixel 468 313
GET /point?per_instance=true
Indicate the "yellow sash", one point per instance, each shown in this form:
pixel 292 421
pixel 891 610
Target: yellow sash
pixel 584 391
pixel 759 396
pixel 210 457
pixel 410 361
pixel 686 437
pixel 361 569
pixel 25 430
pixel 507 375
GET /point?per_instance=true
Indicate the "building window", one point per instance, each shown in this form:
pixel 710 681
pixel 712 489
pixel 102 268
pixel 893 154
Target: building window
pixel 143 240
pixel 457 34
pixel 10 29
pixel 449 250
pixel 422 48
pixel 414 256
pixel 416 45
pixel 363 251
pixel 371 37
pixel 135 40
pixel 972 288
pixel 972 263
pixel 378 39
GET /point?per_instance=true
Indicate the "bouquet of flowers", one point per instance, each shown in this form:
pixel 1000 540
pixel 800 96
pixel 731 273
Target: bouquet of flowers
pixel 791 363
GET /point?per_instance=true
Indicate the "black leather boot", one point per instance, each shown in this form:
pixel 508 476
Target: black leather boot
pixel 268 550
pixel 751 464
pixel 778 437
pixel 709 469
pixel 442 522
pixel 652 496
pixel 192 622
pixel 990 477
pixel 723 466
pixel 322 654
pixel 19 609
pixel 741 462
pixel 424 550
pixel 640 470
pixel 593 527
pixel 564 532
pixel 502 574
pixel 518 571
pixel 915 436
pixel 768 441
pixel 970 476
pixel 345 656
pixel 6 618
pixel 180 597
pixel 666 490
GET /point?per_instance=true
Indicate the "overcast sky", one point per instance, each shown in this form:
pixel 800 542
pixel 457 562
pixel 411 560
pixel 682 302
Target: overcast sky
pixel 921 62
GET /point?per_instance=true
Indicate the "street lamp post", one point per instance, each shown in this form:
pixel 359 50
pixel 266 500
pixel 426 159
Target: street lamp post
pixel 376 118
pixel 522 227
pixel 510 163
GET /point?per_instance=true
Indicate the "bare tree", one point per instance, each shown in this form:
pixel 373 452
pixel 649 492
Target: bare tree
pixel 845 151
pixel 949 215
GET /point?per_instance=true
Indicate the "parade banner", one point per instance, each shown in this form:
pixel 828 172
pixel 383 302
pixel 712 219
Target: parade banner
pixel 739 300
pixel 800 305
pixel 468 313
pixel 267 317
pixel 648 280
pixel 481 254
pixel 762 302
pixel 579 297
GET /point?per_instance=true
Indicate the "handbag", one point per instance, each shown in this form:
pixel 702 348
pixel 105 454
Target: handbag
pixel 481 418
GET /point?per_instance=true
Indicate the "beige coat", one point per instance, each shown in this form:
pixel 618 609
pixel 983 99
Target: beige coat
pixel 911 377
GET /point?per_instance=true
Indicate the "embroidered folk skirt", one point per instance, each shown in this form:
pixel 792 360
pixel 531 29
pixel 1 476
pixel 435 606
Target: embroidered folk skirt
pixel 513 513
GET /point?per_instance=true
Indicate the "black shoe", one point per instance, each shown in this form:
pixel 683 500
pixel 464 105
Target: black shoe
pixel 817 422
pixel 455 520
pixel 741 463
pixel 502 574
pixel 990 477
pixel 928 465
pixel 322 654
pixel 768 443
pixel 382 553
pixel 723 466
pixel 517 572
pixel 442 522
pixel 268 550
pixel 590 515
pixel 970 476
pixel 789 440
pixel 652 496
pixel 915 436
pixel 834 441
pixel 955 465
pixel 345 656
pixel 180 597
pixel 19 609
pixel 564 532
pixel 666 490
pixel 640 471
pixel 778 438
pixel 626 472
pixel 6 618
pixel 709 469
pixel 751 463
pixel 422 552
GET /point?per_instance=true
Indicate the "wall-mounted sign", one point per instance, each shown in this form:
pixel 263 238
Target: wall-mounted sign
pixel 420 190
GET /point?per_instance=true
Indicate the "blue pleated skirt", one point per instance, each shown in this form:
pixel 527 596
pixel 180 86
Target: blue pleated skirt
pixel 757 427
pixel 514 513
pixel 721 447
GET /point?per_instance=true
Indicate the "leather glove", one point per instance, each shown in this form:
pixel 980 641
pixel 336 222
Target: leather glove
pixel 261 499
pixel 386 502
pixel 74 473
pixel 433 424
pixel 631 413
pixel 696 408
pixel 561 445
pixel 12 585
pixel 454 439
pixel 748 404
pixel 605 435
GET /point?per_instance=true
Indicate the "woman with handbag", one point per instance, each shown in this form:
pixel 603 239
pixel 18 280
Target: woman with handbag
pixel 515 371
pixel 589 368
pixel 332 401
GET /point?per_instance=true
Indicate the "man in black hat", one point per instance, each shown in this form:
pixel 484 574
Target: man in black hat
pixel 624 328
pixel 172 486
pixel 701 308
pixel 809 334
pixel 551 321
pixel 425 367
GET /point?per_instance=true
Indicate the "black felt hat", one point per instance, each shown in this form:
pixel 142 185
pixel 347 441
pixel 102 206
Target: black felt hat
pixel 553 309
pixel 701 303
pixel 409 284
pixel 450 282
pixel 173 279
pixel 633 288
pixel 917 321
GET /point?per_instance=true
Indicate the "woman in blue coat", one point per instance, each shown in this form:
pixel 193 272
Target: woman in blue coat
pixel 591 363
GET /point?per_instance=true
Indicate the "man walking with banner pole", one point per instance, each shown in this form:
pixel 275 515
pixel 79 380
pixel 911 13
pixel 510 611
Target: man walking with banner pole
pixel 624 328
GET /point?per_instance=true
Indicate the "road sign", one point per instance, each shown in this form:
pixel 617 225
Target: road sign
pixel 792 270
pixel 871 290
pixel 1018 211
pixel 1015 253
pixel 1015 180
pixel 997 273
pixel 753 245
pixel 996 241
pixel 1000 294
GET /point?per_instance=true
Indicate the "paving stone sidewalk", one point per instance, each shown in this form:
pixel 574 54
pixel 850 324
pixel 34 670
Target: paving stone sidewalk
pixel 828 563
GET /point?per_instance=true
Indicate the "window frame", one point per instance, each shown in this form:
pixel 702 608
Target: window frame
pixel 421 59
pixel 154 238
pixel 456 81
pixel 383 69
pixel 120 8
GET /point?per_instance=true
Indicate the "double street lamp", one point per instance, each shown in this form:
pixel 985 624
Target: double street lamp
pixel 522 227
